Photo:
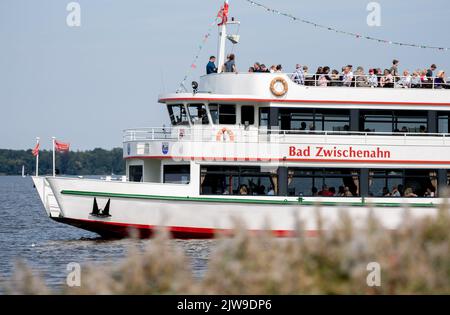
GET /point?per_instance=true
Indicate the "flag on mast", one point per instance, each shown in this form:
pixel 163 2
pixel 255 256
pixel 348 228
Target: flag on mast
pixel 223 14
pixel 61 146
pixel 35 151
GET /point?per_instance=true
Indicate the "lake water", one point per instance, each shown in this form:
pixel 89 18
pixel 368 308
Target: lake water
pixel 27 234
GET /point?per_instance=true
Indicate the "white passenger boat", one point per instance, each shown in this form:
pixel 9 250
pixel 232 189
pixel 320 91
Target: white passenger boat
pixel 263 149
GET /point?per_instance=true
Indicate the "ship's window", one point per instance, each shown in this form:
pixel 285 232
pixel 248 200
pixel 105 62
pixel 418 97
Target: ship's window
pixel 320 119
pixel 323 182
pixel 178 115
pixel 224 114
pixel 198 115
pixel 408 183
pixel 394 121
pixel 443 125
pixel 177 174
pixel 264 117
pixel 238 180
pixel 135 173
pixel 247 115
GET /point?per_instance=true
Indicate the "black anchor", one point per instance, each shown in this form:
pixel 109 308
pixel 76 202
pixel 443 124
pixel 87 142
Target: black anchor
pixel 99 212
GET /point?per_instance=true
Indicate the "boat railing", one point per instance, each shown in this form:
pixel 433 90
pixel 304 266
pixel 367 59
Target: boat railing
pixel 255 135
pixel 370 81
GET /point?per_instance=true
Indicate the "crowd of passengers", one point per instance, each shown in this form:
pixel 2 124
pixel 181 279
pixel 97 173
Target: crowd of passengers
pixel 324 76
pixel 344 191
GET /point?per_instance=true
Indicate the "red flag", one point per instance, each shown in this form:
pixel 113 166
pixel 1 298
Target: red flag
pixel 61 147
pixel 223 14
pixel 35 151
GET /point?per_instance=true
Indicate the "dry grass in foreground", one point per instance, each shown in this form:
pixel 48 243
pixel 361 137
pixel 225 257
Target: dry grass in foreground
pixel 414 259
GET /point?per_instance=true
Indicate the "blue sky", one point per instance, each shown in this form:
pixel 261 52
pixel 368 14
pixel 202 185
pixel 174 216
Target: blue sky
pixel 86 84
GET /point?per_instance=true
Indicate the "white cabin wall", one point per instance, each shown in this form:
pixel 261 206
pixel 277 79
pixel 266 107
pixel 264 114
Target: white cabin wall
pixel 152 173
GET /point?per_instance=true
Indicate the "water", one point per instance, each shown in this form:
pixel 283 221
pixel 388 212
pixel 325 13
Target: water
pixel 27 234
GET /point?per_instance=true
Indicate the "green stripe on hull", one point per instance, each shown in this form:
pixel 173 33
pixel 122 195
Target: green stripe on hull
pixel 300 201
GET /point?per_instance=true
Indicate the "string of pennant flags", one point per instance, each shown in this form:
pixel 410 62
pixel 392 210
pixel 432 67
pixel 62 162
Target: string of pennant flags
pixel 193 65
pixel 339 31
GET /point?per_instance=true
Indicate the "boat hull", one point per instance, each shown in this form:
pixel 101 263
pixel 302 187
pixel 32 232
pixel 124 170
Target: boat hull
pixel 141 208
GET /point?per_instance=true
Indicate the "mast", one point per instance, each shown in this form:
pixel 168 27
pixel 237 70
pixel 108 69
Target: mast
pixel 222 41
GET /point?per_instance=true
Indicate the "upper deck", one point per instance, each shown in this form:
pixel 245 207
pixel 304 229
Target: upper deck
pixel 258 88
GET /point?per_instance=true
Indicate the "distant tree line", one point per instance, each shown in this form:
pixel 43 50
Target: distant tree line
pixel 93 162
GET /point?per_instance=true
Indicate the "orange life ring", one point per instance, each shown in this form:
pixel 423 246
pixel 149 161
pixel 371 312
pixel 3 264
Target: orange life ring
pixel 277 82
pixel 221 132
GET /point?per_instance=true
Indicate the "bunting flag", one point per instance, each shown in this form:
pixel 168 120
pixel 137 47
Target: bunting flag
pixel 197 55
pixel 338 31
pixel 61 147
pixel 35 151
pixel 223 14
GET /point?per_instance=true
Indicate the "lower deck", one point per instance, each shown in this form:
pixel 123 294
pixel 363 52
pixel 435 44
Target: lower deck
pixel 299 181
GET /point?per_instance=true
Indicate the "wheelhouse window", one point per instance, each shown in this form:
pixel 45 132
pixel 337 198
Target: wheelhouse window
pixel 264 117
pixel 402 183
pixel 224 114
pixel 323 182
pixel 443 125
pixel 247 115
pixel 198 115
pixel 178 114
pixel 135 173
pixel 314 119
pixel 238 180
pixel 394 121
pixel 177 174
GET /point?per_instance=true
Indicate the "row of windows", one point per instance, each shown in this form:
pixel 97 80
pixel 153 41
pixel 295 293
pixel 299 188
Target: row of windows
pixel 257 180
pixel 309 119
pixel 226 180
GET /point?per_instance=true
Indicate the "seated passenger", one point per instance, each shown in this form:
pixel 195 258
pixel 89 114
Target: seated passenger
pixel 409 192
pixel 303 126
pixel 386 192
pixel 324 78
pixel 430 192
pixel 395 192
pixel 341 191
pixel 360 78
pixel 405 80
pixel 243 190
pixel 422 129
pixel 314 191
pixel 387 80
pixel 347 77
pixel 271 191
pixel 273 69
pixel 335 79
pixel 279 69
pixel 257 67
pixel 415 80
pixel 373 79
pixel 325 192
pixel 347 192
pixel 264 68
pixel 439 81
pixel 332 191
pixel 298 76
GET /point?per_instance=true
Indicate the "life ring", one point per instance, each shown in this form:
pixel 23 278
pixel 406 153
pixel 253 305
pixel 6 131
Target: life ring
pixel 276 85
pixel 221 132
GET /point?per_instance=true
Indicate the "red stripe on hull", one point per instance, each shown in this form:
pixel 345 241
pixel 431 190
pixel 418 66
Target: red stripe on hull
pixel 120 230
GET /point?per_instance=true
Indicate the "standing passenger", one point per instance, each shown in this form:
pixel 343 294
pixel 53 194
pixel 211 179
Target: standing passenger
pixel 230 65
pixel 211 66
